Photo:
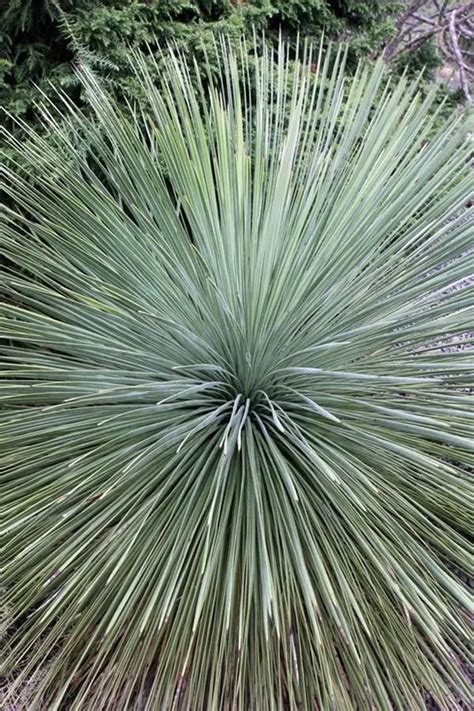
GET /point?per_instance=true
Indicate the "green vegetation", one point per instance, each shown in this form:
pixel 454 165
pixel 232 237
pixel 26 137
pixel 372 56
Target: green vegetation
pixel 233 450
pixel 36 48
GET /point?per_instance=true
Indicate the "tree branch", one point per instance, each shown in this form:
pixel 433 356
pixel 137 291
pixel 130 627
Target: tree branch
pixel 448 27
pixel 458 56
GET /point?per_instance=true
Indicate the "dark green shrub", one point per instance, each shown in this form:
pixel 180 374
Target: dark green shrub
pixel 35 47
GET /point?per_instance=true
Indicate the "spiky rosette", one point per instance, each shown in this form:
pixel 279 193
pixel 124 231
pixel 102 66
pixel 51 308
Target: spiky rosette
pixel 233 444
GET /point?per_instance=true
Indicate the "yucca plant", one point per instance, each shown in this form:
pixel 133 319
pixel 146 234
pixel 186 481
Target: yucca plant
pixel 235 434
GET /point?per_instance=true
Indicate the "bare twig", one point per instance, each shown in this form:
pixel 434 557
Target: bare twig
pixel 450 27
pixel 458 55
pixel 392 46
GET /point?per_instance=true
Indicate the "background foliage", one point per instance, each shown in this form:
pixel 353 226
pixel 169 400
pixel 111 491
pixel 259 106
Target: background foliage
pixel 36 47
